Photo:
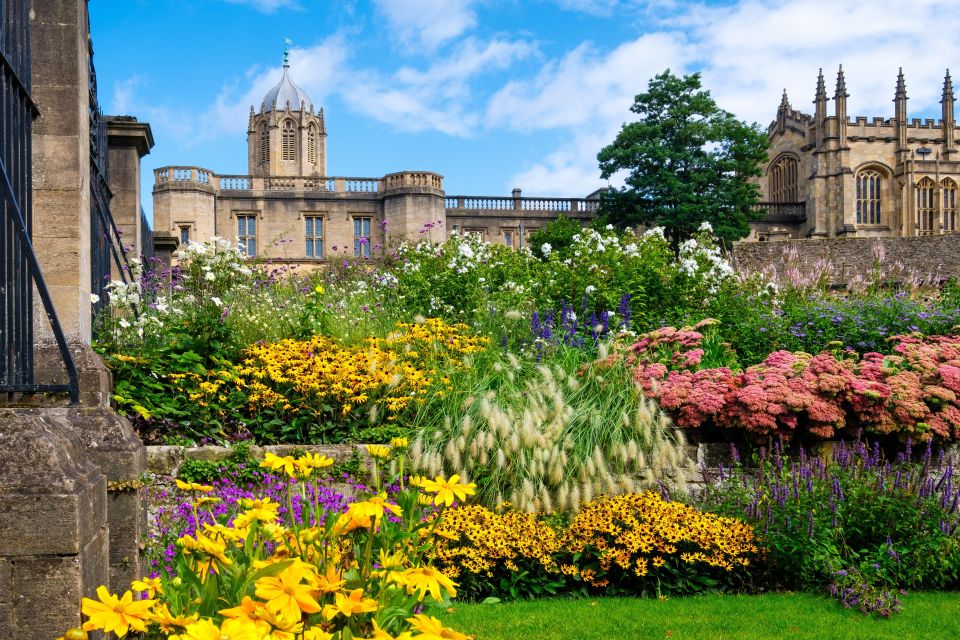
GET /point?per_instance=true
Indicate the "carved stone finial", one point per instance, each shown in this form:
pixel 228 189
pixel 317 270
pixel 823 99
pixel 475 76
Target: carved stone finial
pixel 841 85
pixel 947 88
pixel 821 86
pixel 901 86
pixel 784 102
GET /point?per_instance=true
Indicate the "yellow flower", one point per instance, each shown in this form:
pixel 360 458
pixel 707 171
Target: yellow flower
pixel 230 629
pixel 378 451
pixel 151 585
pixel 380 634
pixel 116 615
pixel 349 605
pixel 315 460
pixel 248 608
pixel 329 582
pixel 449 490
pixel 432 629
pixel 193 486
pixel 318 289
pixel 210 553
pixel 317 633
pixel 427 580
pixel 167 621
pixel 286 595
pixel 199 502
pixel 275 463
pixel 400 443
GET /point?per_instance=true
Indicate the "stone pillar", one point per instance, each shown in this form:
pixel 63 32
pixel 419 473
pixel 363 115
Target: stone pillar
pixel 61 161
pixel 128 141
pixel 413 206
pixel 53 524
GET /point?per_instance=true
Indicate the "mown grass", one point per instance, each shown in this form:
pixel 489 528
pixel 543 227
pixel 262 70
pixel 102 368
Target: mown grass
pixel 792 616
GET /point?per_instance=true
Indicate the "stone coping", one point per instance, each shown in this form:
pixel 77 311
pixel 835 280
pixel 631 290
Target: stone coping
pixel 166 459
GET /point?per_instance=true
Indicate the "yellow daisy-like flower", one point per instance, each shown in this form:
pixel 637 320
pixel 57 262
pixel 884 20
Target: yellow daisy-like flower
pixel 378 451
pixel 432 629
pixel 230 629
pixel 193 486
pixel 349 605
pixel 329 582
pixel 116 615
pixel 449 490
pixel 380 634
pixel 400 443
pixel 199 502
pixel 286 595
pixel 276 463
pixel 152 586
pixel 427 580
pixel 168 622
pixel 317 633
pixel 315 460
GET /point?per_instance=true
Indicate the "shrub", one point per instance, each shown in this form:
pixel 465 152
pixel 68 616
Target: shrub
pixel 641 543
pixel 506 555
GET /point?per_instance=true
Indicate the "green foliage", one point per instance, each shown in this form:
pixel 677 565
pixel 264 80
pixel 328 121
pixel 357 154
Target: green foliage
pixel 240 466
pixel 558 234
pixel 689 162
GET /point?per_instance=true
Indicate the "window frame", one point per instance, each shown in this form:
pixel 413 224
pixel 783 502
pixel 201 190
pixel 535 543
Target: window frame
pixel 868 195
pixel 783 176
pixel 948 204
pixel 926 208
pixel 362 249
pixel 310 236
pixel 245 241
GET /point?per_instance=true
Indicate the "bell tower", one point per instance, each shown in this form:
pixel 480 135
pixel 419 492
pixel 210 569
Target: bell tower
pixel 286 137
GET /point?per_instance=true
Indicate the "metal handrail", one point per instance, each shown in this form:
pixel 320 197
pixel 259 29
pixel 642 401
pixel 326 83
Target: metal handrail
pixel 37 277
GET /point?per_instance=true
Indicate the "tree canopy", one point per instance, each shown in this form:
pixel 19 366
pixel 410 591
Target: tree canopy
pixel 688 162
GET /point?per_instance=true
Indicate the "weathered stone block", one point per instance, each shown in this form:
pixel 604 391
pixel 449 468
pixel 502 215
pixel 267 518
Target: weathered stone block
pixel 164 460
pixel 128 526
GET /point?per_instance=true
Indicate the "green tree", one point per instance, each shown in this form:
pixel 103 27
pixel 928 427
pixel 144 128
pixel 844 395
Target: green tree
pixel 688 162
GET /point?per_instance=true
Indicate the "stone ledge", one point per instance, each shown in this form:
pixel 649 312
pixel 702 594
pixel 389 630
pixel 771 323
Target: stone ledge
pixel 166 460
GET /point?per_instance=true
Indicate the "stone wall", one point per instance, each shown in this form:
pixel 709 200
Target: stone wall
pixel 846 258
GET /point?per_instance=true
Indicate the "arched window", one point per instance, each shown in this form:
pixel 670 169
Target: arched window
pixel 869 198
pixel 783 180
pixel 264 143
pixel 312 144
pixel 949 206
pixel 289 141
pixel 926 211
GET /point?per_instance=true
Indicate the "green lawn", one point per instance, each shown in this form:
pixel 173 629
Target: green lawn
pixel 925 615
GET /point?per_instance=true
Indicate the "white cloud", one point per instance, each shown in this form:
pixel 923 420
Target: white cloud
pixel 439 97
pixel 122 100
pixel 592 7
pixel 267 6
pixel 427 23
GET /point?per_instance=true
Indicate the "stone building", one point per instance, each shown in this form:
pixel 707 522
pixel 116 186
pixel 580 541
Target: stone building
pixel 835 175
pixel 290 209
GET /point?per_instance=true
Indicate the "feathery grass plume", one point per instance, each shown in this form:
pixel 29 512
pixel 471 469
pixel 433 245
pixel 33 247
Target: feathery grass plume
pixel 567 426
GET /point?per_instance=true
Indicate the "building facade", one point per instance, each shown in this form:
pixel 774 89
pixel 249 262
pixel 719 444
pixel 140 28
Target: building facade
pixel 288 208
pixel 835 175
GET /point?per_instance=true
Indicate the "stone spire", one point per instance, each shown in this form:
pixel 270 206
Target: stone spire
pixel 820 109
pixel 784 102
pixel 947 119
pixel 782 113
pixel 900 110
pixel 840 98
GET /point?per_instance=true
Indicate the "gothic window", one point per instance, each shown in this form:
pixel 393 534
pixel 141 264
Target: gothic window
pixel 314 236
pixel 185 235
pixel 783 180
pixel 312 144
pixel 264 144
pixel 926 211
pixel 869 199
pixel 289 141
pixel 949 206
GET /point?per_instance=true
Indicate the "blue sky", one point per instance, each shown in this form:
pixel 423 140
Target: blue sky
pixel 493 94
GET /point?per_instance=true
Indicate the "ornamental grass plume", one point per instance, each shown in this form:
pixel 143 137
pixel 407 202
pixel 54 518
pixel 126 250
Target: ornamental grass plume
pixel 546 437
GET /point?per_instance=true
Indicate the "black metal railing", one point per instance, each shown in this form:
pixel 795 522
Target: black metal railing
pixel 19 269
pixel 146 241
pixel 782 212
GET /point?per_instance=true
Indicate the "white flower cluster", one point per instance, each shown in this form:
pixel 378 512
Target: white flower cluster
pixel 706 262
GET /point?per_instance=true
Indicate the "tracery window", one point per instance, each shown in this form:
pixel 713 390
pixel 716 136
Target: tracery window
pixel 926 211
pixel 312 144
pixel 869 197
pixel 783 180
pixel 289 141
pixel 949 206
pixel 264 144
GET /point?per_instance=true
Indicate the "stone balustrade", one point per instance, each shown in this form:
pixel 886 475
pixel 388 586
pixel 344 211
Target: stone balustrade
pixel 174 177
pixel 501 203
